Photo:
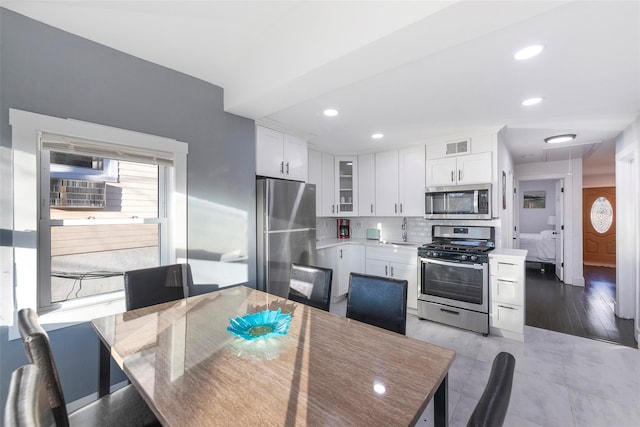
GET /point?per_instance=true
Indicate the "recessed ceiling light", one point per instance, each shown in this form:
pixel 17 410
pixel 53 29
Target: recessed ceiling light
pixel 559 139
pixel 377 136
pixel 531 101
pixel 528 52
pixel 330 112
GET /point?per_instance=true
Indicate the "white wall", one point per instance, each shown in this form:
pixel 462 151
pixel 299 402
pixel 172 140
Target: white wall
pixel 571 172
pixel 535 220
pixel 504 234
pixel 600 180
pixel 627 223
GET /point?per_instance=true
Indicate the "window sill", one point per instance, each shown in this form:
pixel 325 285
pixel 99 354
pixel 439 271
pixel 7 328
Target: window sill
pixel 73 313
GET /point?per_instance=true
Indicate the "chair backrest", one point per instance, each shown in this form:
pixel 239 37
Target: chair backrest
pixel 378 301
pixel 492 407
pixel 151 286
pixel 311 285
pixel 27 401
pixel 38 349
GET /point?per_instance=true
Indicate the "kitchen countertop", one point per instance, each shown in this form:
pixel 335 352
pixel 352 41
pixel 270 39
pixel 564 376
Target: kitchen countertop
pixel 327 243
pixel 516 253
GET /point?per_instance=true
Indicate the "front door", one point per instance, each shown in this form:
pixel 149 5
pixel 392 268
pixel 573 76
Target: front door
pixel 599 226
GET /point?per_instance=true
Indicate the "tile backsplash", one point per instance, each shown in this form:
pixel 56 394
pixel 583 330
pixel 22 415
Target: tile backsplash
pixel 418 229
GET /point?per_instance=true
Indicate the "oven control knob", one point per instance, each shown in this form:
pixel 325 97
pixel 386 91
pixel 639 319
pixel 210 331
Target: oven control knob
pixel 434 254
pixel 464 257
pixel 473 257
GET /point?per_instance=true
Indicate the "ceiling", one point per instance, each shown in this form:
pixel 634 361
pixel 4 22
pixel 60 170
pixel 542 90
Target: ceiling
pixel 416 71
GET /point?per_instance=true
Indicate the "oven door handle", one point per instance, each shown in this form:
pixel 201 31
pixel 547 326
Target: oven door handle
pixel 453 264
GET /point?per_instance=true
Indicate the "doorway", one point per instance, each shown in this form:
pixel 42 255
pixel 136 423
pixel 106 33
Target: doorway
pixel 599 226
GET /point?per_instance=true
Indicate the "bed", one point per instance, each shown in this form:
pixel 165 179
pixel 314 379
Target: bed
pixel 541 247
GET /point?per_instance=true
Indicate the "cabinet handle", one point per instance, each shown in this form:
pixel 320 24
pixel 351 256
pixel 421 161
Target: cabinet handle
pixel 451 176
pixel 371 207
pixel 333 209
pixel 400 207
pixel 282 167
pixel 508 281
pixel 396 208
pixel 391 271
pixel 457 313
pixel 504 306
pixel 386 270
pixel 340 253
pixel 459 174
pixel 287 168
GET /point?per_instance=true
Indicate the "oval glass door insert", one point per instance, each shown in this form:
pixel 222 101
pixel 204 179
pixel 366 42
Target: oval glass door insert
pixel 601 215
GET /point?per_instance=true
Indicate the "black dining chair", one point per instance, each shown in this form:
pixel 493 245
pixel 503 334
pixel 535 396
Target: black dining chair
pixel 491 409
pixel 311 285
pixel 124 407
pixel 27 401
pixel 155 285
pixel 378 301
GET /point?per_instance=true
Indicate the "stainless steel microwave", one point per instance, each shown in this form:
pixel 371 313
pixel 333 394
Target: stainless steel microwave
pixel 458 202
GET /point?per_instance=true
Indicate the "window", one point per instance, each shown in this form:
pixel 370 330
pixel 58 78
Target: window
pixel 601 215
pixel 98 230
pixel 36 224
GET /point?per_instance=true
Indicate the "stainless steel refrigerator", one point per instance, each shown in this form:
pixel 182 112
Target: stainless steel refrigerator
pixel 286 231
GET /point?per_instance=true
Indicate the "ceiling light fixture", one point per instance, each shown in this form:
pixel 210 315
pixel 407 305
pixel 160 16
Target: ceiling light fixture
pixel 559 139
pixel 377 136
pixel 528 52
pixel 330 112
pixel 531 101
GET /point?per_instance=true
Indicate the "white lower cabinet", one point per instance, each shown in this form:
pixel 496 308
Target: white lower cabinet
pixel 397 263
pixel 507 292
pixel 343 260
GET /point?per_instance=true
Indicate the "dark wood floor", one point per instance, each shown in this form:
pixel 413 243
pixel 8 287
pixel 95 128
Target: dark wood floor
pixel 585 312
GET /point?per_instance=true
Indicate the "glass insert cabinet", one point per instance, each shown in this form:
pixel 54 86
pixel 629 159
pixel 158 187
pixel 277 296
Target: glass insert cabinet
pixel 346 183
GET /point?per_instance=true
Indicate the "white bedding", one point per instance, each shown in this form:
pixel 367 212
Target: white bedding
pixel 541 246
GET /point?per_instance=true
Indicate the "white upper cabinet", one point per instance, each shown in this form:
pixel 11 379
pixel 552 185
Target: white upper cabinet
pixel 387 183
pixel 295 158
pixel 279 155
pixel 315 177
pixel 467 161
pixel 411 175
pixel 328 204
pixel 399 183
pixel 366 185
pixel 346 193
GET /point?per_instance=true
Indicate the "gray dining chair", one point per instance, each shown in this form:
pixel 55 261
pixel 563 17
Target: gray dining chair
pixel 378 301
pixel 124 407
pixel 311 285
pixel 27 401
pixel 491 409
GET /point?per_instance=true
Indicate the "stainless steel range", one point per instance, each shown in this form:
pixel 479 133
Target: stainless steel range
pixel 454 276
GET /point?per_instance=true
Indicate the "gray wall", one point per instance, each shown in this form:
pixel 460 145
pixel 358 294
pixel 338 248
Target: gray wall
pixel 48 71
pixel 535 220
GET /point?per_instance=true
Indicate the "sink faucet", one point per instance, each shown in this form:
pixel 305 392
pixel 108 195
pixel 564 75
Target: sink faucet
pixel 404 229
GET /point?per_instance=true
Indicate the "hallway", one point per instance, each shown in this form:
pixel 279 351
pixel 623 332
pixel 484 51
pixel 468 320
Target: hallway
pixel 584 312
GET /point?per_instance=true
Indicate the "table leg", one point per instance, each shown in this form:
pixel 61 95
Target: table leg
pixel 104 374
pixel 441 404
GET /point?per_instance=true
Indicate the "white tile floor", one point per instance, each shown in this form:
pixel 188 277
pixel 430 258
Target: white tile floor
pixel 560 380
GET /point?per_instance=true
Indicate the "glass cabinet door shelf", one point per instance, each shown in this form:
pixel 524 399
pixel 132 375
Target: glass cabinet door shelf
pixel 346 171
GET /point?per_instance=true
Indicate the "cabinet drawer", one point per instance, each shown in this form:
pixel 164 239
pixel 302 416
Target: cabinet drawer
pixel 506 269
pixel 389 253
pixel 506 290
pixel 508 317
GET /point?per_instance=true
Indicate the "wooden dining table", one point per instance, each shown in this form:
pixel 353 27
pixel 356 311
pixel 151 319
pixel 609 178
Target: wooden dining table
pixel 327 370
